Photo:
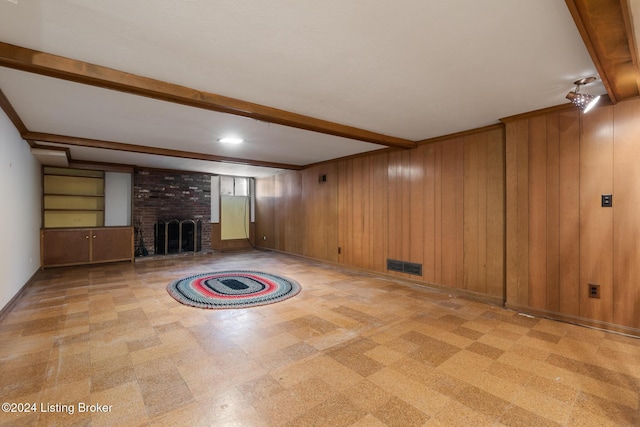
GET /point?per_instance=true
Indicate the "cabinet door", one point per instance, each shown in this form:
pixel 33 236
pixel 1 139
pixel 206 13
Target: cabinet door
pixel 111 244
pixel 61 247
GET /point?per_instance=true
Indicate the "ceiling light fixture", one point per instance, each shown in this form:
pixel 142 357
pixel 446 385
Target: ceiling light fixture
pixel 231 140
pixel 583 101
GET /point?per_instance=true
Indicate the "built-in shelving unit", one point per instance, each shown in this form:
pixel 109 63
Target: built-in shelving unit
pixel 73 220
pixel 72 198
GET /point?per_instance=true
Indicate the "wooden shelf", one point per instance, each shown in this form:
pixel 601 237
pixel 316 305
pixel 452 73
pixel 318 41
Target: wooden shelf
pixel 72 198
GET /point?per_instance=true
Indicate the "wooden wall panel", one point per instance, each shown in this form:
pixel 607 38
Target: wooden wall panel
pixel 437 212
pixel 626 211
pixel 428 190
pixel 452 218
pixel 569 213
pixel 320 201
pixel 523 214
pixel 394 197
pixel 265 213
pixel 517 215
pixel 345 218
pixel 360 212
pixel 404 229
pixel 379 249
pixel 406 238
pixel 559 237
pixel 417 205
pixel 511 218
pixel 440 205
pixel 537 290
pixel 474 189
pixel 353 199
pixel 484 210
pixel 480 215
pixel 596 222
pixel 552 291
pixel 289 213
pixel 496 211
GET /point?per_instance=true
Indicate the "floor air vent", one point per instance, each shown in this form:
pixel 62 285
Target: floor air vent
pixel 404 267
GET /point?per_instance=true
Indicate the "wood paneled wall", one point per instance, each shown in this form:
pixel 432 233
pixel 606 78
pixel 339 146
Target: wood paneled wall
pixel 440 204
pixel 363 227
pixel 559 238
pixel 320 204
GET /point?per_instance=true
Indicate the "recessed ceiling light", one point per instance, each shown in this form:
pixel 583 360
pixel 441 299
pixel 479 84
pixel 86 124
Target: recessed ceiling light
pixel 231 140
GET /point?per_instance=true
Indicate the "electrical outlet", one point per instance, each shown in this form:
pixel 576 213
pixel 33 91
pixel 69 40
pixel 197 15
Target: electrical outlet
pixel 607 200
pixel 594 290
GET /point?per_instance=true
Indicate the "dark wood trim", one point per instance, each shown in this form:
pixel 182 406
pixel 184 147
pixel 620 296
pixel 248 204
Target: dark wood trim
pixel 462 134
pixel 551 110
pixel 165 170
pixel 13 116
pixel 37 62
pixel 352 156
pixel 107 167
pixel 605 27
pixel 631 36
pixel 582 321
pixel 119 146
pixel 13 301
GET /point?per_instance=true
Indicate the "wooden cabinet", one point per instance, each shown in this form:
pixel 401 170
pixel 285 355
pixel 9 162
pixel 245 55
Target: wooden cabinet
pixel 112 244
pixel 74 246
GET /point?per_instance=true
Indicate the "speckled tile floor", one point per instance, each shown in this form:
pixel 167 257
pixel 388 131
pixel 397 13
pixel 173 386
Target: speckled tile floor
pixel 349 350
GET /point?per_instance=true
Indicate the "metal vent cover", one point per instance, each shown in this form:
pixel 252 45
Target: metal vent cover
pixel 404 267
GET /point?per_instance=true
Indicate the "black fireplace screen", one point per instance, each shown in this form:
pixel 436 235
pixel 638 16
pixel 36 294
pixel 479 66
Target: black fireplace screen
pixel 176 236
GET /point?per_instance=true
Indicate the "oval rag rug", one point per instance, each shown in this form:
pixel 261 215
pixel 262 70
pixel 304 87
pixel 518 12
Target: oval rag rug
pixel 232 289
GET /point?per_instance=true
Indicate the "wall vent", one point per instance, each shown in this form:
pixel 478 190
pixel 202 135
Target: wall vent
pixel 404 267
pixel 394 265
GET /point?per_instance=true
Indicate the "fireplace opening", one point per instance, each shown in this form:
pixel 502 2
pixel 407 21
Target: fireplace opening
pixel 177 236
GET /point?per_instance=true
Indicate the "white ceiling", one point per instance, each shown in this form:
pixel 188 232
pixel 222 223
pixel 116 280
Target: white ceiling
pixel 413 69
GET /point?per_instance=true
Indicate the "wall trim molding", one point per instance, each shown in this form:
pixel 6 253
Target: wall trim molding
pixel 454 292
pixel 576 320
pixel 461 134
pixel 13 301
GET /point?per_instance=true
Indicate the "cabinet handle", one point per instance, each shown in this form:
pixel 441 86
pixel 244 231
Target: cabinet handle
pixel 86 237
pixel 94 237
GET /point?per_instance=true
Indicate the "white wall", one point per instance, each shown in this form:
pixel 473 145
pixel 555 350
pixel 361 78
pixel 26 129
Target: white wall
pixel 117 199
pixel 20 211
pixel 215 199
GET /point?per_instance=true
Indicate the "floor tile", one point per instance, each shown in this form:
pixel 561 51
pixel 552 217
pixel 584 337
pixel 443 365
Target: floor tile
pixel 351 349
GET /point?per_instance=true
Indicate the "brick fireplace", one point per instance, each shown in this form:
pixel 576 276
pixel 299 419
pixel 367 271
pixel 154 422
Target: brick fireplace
pixel 160 196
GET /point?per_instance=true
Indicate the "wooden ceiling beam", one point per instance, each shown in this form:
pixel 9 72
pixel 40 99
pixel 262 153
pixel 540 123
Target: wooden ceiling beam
pixel 131 148
pixel 607 32
pixel 37 62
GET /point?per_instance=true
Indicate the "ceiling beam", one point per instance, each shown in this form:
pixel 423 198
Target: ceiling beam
pixel 37 62
pixel 607 32
pixel 131 148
